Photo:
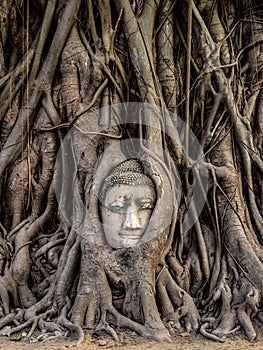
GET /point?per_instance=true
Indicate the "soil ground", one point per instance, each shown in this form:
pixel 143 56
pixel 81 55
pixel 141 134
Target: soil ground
pixel 130 341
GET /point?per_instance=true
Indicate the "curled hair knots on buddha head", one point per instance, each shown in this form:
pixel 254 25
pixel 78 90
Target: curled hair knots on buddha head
pixel 129 172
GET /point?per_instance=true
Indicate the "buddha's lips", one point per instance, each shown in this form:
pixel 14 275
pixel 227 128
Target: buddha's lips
pixel 129 235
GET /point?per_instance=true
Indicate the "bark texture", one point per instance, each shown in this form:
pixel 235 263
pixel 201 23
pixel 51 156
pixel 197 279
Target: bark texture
pixel 87 84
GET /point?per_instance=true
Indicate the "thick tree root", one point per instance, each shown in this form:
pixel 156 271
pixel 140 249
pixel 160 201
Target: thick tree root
pixel 172 297
pixel 208 335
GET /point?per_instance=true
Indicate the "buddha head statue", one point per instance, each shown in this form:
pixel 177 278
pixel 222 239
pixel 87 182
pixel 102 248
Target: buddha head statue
pixel 127 199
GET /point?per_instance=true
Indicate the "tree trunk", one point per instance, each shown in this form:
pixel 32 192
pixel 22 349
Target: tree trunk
pixel 131 167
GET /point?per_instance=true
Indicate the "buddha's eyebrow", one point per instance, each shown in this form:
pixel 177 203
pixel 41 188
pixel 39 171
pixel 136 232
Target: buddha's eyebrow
pixel 147 200
pixel 118 200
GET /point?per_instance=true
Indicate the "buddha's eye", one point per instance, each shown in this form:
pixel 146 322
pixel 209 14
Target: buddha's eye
pixel 117 207
pixel 146 204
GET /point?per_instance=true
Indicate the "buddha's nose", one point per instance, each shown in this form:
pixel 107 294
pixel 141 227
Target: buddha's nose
pixel 132 221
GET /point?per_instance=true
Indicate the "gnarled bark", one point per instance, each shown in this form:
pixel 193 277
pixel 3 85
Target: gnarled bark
pixel 91 84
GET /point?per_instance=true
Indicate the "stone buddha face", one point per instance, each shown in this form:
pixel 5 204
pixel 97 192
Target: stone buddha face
pixel 127 201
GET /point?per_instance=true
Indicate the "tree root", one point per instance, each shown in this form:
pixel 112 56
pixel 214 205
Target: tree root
pixel 247 311
pixel 33 322
pixel 158 334
pixel 5 320
pixel 104 326
pixel 110 315
pixel 236 310
pixel 246 323
pixel 208 335
pixel 171 297
pixel 73 328
pixel 8 290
